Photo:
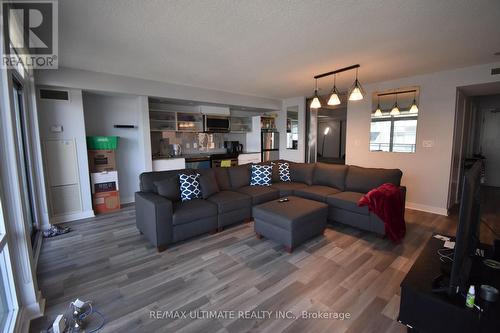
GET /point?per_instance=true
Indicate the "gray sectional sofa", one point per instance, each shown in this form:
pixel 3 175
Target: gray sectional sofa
pixel 228 198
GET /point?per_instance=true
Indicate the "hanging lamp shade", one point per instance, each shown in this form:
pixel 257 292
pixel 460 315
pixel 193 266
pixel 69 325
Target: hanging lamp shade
pixel 414 107
pixel 315 103
pixel 334 97
pixel 357 92
pixel 378 112
pixel 395 110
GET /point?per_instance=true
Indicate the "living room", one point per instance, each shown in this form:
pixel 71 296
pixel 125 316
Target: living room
pixel 249 166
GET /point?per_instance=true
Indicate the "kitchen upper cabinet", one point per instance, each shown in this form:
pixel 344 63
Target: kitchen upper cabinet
pixel 241 124
pixel 189 122
pixel 163 120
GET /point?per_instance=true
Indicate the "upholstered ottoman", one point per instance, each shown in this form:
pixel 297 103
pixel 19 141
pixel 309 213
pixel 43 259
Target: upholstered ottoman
pixel 290 223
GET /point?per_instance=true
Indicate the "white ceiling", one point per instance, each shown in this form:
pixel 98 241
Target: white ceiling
pixel 272 48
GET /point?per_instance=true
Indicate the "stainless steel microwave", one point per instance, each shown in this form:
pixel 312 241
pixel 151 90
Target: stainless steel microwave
pixel 216 124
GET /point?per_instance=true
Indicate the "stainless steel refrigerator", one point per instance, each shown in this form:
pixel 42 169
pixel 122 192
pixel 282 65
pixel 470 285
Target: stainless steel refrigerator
pixel 270 145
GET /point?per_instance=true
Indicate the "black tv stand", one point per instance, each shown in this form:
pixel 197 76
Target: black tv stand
pixel 427 305
pixel 441 284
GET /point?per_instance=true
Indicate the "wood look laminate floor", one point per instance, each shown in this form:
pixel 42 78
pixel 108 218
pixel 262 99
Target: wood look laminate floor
pixel 105 260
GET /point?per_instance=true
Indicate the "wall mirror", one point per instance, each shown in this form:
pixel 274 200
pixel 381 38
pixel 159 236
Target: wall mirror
pixel 292 127
pixel 394 119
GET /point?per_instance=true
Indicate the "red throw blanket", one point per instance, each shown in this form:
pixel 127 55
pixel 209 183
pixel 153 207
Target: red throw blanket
pixel 386 201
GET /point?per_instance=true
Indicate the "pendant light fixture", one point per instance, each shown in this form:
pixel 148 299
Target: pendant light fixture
pixel 395 108
pixel 356 90
pixel 414 107
pixel 334 97
pixel 315 103
pixel 378 112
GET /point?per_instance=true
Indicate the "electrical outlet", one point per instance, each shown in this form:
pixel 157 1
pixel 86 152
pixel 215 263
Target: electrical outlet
pixel 188 146
pixel 428 143
pixel 195 145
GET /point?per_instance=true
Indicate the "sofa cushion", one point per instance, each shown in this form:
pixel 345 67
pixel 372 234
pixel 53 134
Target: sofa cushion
pixel 260 194
pixel 287 188
pixel 261 175
pixel 227 201
pixel 347 201
pixel 192 210
pixel 208 183
pixel 190 186
pixel 315 192
pixel 222 177
pixel 239 176
pixel 363 180
pixel 169 188
pixel 302 172
pixel 332 175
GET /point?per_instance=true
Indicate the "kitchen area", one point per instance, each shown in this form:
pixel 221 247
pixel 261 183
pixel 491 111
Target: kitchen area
pixel 187 135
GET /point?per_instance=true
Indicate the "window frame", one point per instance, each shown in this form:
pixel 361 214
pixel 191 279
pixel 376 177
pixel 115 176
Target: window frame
pixel 394 119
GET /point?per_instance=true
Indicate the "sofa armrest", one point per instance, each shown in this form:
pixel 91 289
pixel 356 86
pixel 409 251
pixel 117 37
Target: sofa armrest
pixel 403 190
pixel 153 217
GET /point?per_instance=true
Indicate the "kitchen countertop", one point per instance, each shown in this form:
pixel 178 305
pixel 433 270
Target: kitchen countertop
pixel 199 156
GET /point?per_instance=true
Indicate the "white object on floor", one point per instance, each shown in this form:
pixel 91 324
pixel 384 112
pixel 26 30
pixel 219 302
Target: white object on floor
pixel 449 245
pixel 441 237
pixel 59 325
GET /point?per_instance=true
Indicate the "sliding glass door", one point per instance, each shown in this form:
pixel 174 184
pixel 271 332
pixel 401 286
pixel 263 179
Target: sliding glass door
pixel 8 302
pixel 23 140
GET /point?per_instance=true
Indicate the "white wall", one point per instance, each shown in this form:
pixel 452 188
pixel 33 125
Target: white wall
pixel 93 81
pixel 295 155
pixel 102 112
pixel 69 114
pixel 426 173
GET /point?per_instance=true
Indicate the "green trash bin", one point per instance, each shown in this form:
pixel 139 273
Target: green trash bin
pixel 102 142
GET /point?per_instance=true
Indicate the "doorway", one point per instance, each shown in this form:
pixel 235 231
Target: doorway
pixel 477 138
pixel 326 133
pixel 23 139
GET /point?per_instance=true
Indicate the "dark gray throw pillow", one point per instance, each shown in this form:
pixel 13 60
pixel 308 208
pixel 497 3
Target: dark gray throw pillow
pixel 302 172
pixel 169 188
pixel 208 183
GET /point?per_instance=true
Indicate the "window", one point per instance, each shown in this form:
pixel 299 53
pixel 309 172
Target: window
pixel 394 120
pixel 396 134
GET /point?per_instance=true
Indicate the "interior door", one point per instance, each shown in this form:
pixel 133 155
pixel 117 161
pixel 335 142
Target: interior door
pixel 491 146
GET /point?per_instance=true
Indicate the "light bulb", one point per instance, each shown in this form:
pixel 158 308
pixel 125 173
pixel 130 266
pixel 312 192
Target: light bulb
pixel 334 99
pixel 327 130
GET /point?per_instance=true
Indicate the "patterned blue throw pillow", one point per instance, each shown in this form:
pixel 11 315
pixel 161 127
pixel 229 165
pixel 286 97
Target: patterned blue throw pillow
pixel 261 175
pixel 190 186
pixel 284 171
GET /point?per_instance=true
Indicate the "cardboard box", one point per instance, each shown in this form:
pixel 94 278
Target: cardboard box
pixel 101 160
pixel 106 202
pixel 105 181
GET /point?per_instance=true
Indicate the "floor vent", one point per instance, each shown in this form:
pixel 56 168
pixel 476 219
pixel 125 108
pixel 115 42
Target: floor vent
pixel 60 95
pixel 495 71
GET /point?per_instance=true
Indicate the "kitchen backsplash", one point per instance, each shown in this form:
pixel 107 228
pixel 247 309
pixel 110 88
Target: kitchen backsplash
pixel 191 143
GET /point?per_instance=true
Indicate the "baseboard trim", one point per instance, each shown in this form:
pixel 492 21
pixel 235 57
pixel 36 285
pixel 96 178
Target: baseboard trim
pixel 426 208
pixel 127 200
pixel 72 217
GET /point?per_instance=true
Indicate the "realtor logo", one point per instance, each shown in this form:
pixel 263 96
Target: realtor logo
pixel 31 38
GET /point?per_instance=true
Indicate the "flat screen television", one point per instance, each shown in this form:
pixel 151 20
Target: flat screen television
pixel 467 234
